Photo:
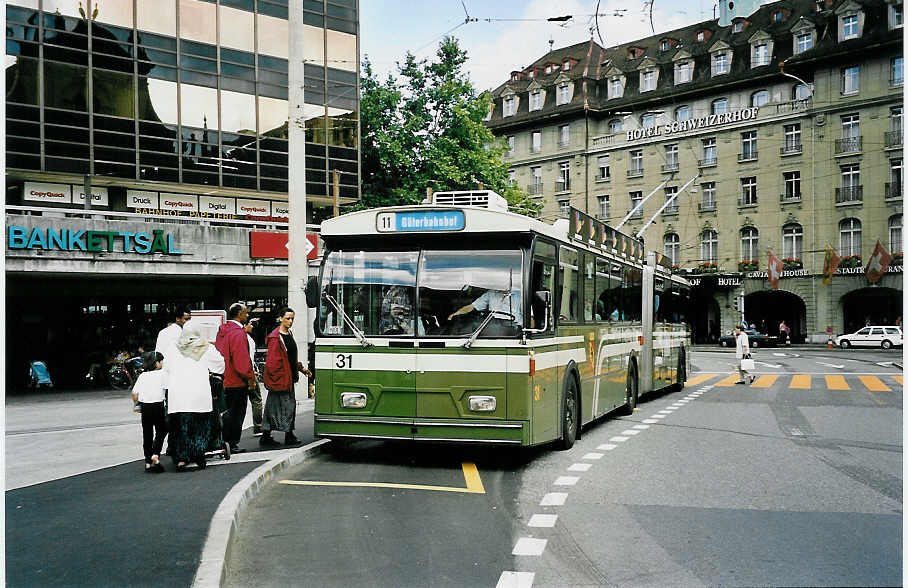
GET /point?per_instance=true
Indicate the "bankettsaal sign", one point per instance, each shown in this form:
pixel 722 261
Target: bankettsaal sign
pixel 92 241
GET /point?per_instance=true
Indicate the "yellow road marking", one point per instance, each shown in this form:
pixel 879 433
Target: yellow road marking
pixel 727 381
pixel 470 475
pixel 897 379
pixel 837 383
pixel 699 379
pixel 874 384
pixel 800 382
pixel 765 381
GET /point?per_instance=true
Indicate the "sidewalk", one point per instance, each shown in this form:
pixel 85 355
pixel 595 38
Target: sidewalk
pixel 81 511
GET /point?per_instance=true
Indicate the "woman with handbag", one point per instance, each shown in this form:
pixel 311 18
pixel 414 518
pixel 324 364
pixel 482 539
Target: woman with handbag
pixel 282 370
pixel 742 353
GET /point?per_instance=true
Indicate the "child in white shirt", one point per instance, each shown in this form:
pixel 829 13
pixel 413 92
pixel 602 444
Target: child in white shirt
pixel 148 391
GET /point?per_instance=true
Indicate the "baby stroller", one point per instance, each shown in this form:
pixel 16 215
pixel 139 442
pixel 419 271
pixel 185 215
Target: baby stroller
pixel 38 375
pixel 217 447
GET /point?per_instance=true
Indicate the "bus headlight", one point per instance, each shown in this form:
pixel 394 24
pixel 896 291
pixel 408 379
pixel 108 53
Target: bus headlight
pixel 353 400
pixel 483 403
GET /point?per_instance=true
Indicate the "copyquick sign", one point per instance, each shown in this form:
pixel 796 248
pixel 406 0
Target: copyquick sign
pixel 181 202
pixel 44 192
pixel 248 207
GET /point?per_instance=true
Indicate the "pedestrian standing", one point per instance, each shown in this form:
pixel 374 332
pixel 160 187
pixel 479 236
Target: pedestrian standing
pixel 239 377
pixel 742 351
pixel 148 392
pixel 255 394
pixel 784 333
pixel 171 332
pixel 282 369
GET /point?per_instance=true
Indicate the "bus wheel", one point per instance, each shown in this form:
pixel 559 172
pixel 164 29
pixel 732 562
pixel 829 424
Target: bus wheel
pixel 630 391
pixel 570 416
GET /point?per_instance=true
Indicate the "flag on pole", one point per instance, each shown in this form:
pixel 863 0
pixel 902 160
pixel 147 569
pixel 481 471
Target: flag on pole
pixel 878 264
pixel 830 264
pixel 775 271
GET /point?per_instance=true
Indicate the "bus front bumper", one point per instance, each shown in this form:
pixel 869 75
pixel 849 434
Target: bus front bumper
pixel 423 429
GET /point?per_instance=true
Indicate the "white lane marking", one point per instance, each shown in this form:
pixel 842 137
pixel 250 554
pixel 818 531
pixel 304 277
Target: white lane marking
pixel 515 580
pixel 542 520
pixel 554 499
pixel 770 365
pixel 607 446
pixel 641 427
pixel 618 439
pixel 529 546
pixel 566 480
pixel 832 365
pixel 579 467
pixel 665 411
pixel 780 354
pixel 650 421
pixel 884 363
pixel 630 432
pixel 680 403
pixel 659 416
pixel 592 456
pixel 670 409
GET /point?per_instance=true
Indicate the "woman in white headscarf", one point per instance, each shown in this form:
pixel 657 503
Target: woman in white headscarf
pixel 187 363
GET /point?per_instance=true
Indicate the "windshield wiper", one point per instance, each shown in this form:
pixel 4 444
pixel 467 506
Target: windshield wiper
pixel 492 314
pixel 359 334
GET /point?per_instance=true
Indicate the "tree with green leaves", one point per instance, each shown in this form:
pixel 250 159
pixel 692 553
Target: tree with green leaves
pixel 423 129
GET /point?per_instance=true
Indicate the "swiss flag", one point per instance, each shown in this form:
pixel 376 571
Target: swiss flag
pixel 775 271
pixel 878 264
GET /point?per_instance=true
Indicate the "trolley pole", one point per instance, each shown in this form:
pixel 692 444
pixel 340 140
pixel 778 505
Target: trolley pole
pixel 297 266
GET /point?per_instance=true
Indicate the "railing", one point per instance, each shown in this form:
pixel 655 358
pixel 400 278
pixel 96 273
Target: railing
pixel 759 62
pixel 894 138
pixel 708 162
pixel 670 167
pixel 747 200
pixel 893 190
pixel 790 197
pixel 603 177
pixel 638 214
pixel 604 140
pixel 749 155
pixel 564 144
pixel 792 106
pixel 792 149
pixel 562 185
pixel 671 209
pixel 706 206
pixel 534 188
pixel 635 172
pixel 848 144
pixel 849 194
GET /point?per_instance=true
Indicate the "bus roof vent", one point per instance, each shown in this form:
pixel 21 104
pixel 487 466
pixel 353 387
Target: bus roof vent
pixel 481 198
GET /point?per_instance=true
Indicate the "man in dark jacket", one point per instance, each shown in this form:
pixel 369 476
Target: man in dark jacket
pixel 239 376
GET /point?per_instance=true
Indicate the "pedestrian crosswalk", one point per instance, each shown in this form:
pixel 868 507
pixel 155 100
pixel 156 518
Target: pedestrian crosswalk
pixel 837 382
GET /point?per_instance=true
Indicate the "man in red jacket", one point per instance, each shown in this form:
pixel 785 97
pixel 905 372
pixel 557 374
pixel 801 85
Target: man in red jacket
pixel 239 376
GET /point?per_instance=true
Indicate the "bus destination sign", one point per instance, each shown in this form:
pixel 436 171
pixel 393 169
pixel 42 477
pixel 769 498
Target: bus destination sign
pixel 420 221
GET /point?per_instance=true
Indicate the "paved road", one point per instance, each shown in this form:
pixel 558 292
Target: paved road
pixel 796 480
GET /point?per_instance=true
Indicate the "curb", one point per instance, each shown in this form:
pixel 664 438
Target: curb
pixel 216 550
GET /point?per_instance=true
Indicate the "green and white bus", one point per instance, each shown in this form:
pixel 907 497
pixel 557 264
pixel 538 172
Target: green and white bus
pixel 458 321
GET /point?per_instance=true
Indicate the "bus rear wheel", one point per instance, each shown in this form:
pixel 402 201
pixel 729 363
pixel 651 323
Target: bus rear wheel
pixel 570 417
pixel 630 391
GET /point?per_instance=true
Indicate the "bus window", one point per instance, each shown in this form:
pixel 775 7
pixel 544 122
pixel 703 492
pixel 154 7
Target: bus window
pixel 631 291
pixel 542 279
pixel 660 301
pixel 566 300
pixel 589 287
pixel 609 288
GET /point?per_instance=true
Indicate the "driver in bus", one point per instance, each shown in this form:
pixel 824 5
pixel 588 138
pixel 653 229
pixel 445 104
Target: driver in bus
pixel 396 312
pixel 494 301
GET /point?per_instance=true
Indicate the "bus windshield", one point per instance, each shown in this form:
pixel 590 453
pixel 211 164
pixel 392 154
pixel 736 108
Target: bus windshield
pixel 433 293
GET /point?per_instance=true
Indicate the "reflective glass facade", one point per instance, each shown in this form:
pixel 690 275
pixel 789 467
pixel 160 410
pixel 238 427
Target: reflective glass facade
pixel 180 91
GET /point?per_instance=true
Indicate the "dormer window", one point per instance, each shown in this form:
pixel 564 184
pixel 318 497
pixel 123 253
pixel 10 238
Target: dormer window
pixel 701 36
pixel 803 42
pixel 509 106
pixel 683 71
pixel 566 66
pixel 777 16
pixel 548 69
pixel 737 26
pixel 531 74
pixel 759 54
pixel 850 27
pixel 664 45
pixel 536 100
pixel 615 87
pixel 648 80
pixel 515 76
pixel 721 61
pixel 634 52
pixel 564 93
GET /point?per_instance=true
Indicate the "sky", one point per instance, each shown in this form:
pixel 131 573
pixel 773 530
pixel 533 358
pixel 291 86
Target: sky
pixel 390 28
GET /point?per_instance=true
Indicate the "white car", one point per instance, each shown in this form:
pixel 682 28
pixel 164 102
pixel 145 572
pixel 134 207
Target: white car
pixel 884 337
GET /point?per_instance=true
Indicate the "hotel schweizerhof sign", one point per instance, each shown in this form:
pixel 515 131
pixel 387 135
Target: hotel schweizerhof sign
pixel 692 124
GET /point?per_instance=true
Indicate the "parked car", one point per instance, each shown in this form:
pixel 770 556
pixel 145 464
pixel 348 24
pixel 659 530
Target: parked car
pixel 755 338
pixel 873 336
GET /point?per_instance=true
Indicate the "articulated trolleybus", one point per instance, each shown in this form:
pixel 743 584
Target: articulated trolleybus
pixel 458 321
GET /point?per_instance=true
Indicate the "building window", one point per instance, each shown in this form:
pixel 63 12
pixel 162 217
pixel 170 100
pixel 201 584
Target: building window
pixel 512 177
pixel 709 196
pixel 605 170
pixel 719 106
pixel 682 113
pixel 792 141
pixel 800 92
pixel 564 135
pixel 709 151
pixel 792 181
pixel 777 16
pixel 564 208
pixel 531 74
pixel 748 145
pixel 737 26
pixel 615 125
pixel 792 241
pixel 509 106
pixel 701 36
pixel 536 100
pixel 683 71
pixel 896 71
pixel 850 27
pixel 750 238
pixel 603 206
pixel 648 120
pixel 636 199
pixel 851 80
pixel 709 246
pixel 851 134
pixel 536 186
pixel 850 237
pixel 615 88
pixel 759 55
pixel 664 45
pixel 535 141
pixel 648 80
pixel 748 191
pixel 759 98
pixel 720 63
pixel 895 233
pixel 511 143
pixel 851 189
pixel 564 176
pixel 564 94
pixel 894 187
pixel 548 69
pixel 671 196
pixel 803 42
pixel 566 66
pixel 671 244
pixel 671 157
pixel 637 161
pixel 895 119
pixel 895 16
